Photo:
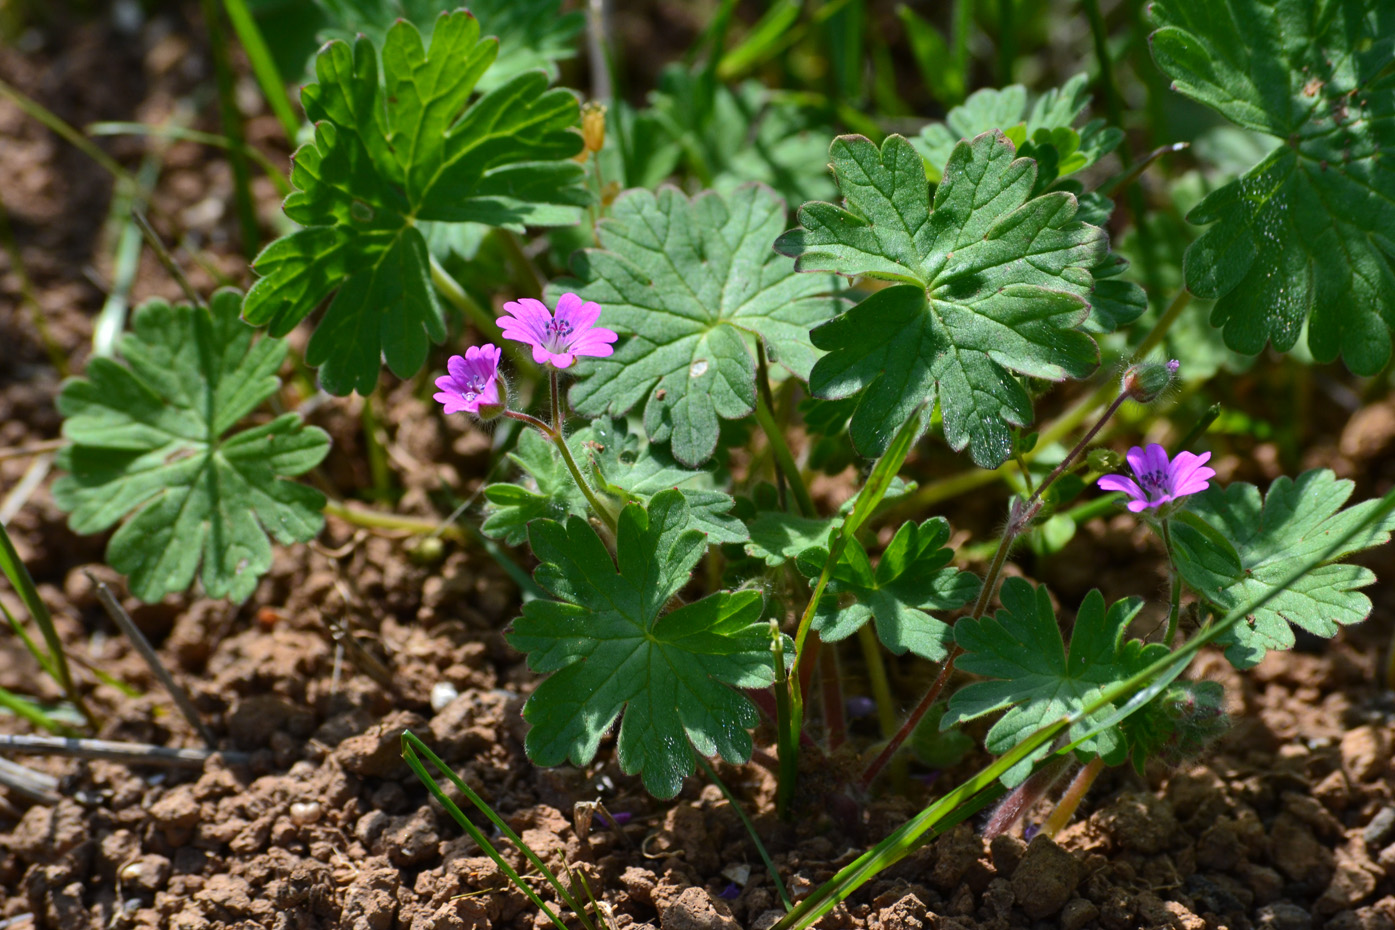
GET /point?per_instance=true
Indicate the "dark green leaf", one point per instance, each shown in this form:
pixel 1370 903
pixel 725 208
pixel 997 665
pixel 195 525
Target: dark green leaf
pixel 1035 678
pixel 622 466
pixel 1006 276
pixel 607 647
pixel 689 285
pixel 913 577
pixel 1294 525
pixel 151 445
pixel 393 150
pixel 1304 237
pixel 531 33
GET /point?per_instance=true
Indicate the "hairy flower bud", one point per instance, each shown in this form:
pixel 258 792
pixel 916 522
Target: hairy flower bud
pixel 1144 381
pixel 1104 460
pixel 593 126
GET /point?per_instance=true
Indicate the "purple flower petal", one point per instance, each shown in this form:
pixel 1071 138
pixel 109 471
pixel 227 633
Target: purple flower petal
pixel 557 339
pixel 1159 481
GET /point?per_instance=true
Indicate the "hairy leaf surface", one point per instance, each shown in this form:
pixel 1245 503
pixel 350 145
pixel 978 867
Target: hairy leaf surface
pixel 394 146
pixel 1303 238
pixel 151 446
pixel 912 578
pixel 531 33
pixel 688 284
pixel 623 467
pixel 1035 678
pixel 990 281
pixel 1295 523
pixel 608 648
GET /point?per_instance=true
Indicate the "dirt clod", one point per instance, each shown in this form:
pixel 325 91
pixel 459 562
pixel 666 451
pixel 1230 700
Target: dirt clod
pixel 697 909
pixel 1045 879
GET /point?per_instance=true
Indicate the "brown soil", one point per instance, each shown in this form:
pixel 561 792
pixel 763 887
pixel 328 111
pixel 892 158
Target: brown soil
pixel 1287 823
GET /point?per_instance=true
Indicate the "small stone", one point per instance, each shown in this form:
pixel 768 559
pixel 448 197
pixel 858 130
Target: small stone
pixel 1365 753
pixel 442 693
pixel 1381 828
pixel 148 874
pixel 1077 913
pixel 1283 915
pixel 305 812
pixel 1045 879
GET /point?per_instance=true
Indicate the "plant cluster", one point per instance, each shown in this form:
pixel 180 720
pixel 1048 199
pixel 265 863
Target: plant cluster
pixel 706 349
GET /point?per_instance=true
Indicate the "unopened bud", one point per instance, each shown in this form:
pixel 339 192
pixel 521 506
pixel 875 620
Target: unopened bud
pixel 489 412
pixel 593 126
pixel 1103 461
pixel 1146 380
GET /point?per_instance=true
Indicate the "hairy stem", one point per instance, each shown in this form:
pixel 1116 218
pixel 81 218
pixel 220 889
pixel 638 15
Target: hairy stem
pixel 560 441
pixel 1175 601
pixel 1019 519
pixel 1070 801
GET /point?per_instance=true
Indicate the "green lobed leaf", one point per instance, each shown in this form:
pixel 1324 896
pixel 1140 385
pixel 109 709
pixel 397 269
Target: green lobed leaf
pixel 1303 237
pixel 1043 131
pixel 1035 678
pixel 913 577
pixel 395 146
pixel 688 285
pixel 151 447
pixel 608 648
pixel 1293 524
pixel 623 467
pixel 531 33
pixel 990 281
pixel 778 537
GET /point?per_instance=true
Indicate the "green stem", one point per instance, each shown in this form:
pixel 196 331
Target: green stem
pixel 1176 599
pixel 377 520
pixel 784 459
pixel 558 440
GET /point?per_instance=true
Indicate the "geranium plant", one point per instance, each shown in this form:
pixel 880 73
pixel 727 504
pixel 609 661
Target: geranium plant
pixel 703 351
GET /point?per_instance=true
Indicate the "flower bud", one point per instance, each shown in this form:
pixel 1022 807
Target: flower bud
pixel 593 126
pixel 1104 460
pixel 488 411
pixel 1144 381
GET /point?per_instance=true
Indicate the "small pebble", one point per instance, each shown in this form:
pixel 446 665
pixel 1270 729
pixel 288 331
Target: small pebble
pixel 442 693
pixel 304 812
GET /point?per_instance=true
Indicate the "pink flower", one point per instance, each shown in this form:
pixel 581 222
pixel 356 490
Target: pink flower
pixel 557 340
pixel 473 382
pixel 1160 481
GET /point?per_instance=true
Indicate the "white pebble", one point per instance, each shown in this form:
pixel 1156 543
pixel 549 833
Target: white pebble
pixel 442 693
pixel 303 812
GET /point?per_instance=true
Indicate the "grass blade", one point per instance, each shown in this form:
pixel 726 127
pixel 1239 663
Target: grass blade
pixel 411 746
pixel 263 65
pixel 56 663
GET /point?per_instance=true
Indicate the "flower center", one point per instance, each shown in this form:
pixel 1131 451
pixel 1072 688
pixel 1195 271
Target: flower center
pixel 557 333
pixel 1153 482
